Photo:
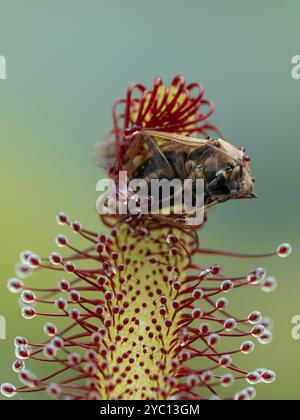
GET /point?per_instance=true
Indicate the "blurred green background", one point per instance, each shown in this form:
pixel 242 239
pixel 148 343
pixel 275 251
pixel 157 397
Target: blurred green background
pixel 67 61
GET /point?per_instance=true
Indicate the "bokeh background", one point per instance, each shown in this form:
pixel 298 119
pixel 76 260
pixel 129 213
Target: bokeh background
pixel 67 61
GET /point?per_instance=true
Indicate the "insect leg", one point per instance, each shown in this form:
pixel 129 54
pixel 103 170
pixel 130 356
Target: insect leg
pixel 219 184
pixel 220 199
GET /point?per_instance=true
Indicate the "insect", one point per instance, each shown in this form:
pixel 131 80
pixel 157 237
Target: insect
pixel 159 155
pixel 223 168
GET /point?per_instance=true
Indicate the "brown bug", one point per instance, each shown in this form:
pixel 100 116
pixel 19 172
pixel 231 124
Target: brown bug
pixel 223 167
pixel 159 155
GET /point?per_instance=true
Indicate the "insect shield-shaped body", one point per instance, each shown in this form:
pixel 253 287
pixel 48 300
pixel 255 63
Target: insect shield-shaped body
pixel 183 163
pixel 223 168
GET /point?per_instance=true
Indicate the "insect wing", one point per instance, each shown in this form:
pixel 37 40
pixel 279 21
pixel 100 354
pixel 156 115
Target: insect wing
pixel 164 138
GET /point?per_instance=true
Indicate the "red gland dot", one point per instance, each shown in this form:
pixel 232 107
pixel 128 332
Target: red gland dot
pixel 227 380
pixel 230 324
pixel 55 258
pixel 251 393
pixel 268 377
pixel 175 305
pixel 50 329
pixel 54 390
pixel 29 313
pixel 50 352
pixel 28 297
pixel 64 285
pixel 213 340
pixel 101 281
pixel 153 260
pixel 100 248
pixel 168 323
pixel 61 304
pixel 241 396
pixel 22 353
pixel 173 252
pixel 121 268
pixel 103 332
pixel 109 295
pixel 247 347
pixel 103 238
pixel 163 311
pixel 253 378
pixel 62 219
pixel 258 331
pixel 254 317
pixel 198 294
pixel 75 296
pixel 225 361
pixel 227 286
pixel 205 329
pixel 174 364
pixel 163 300
pixel 58 343
pixel 197 313
pixel 184 355
pixel 20 341
pixel 96 338
pixel 119 296
pixel 8 390
pixel 207 377
pixel 76 227
pixel 176 285
pixel 106 266
pixel 18 366
pixel 221 304
pixel 108 322
pixel 172 240
pixel 114 233
pixel 266 338
pixel 34 261
pixel 215 269
pixel 69 267
pixel 15 286
pixel 24 256
pixel 61 241
pixel 284 250
pixel 116 310
pixel 269 284
pixel 115 256
pixel 23 270
pixel 92 356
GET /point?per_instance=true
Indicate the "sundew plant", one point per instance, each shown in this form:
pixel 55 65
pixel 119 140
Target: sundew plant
pixel 133 314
